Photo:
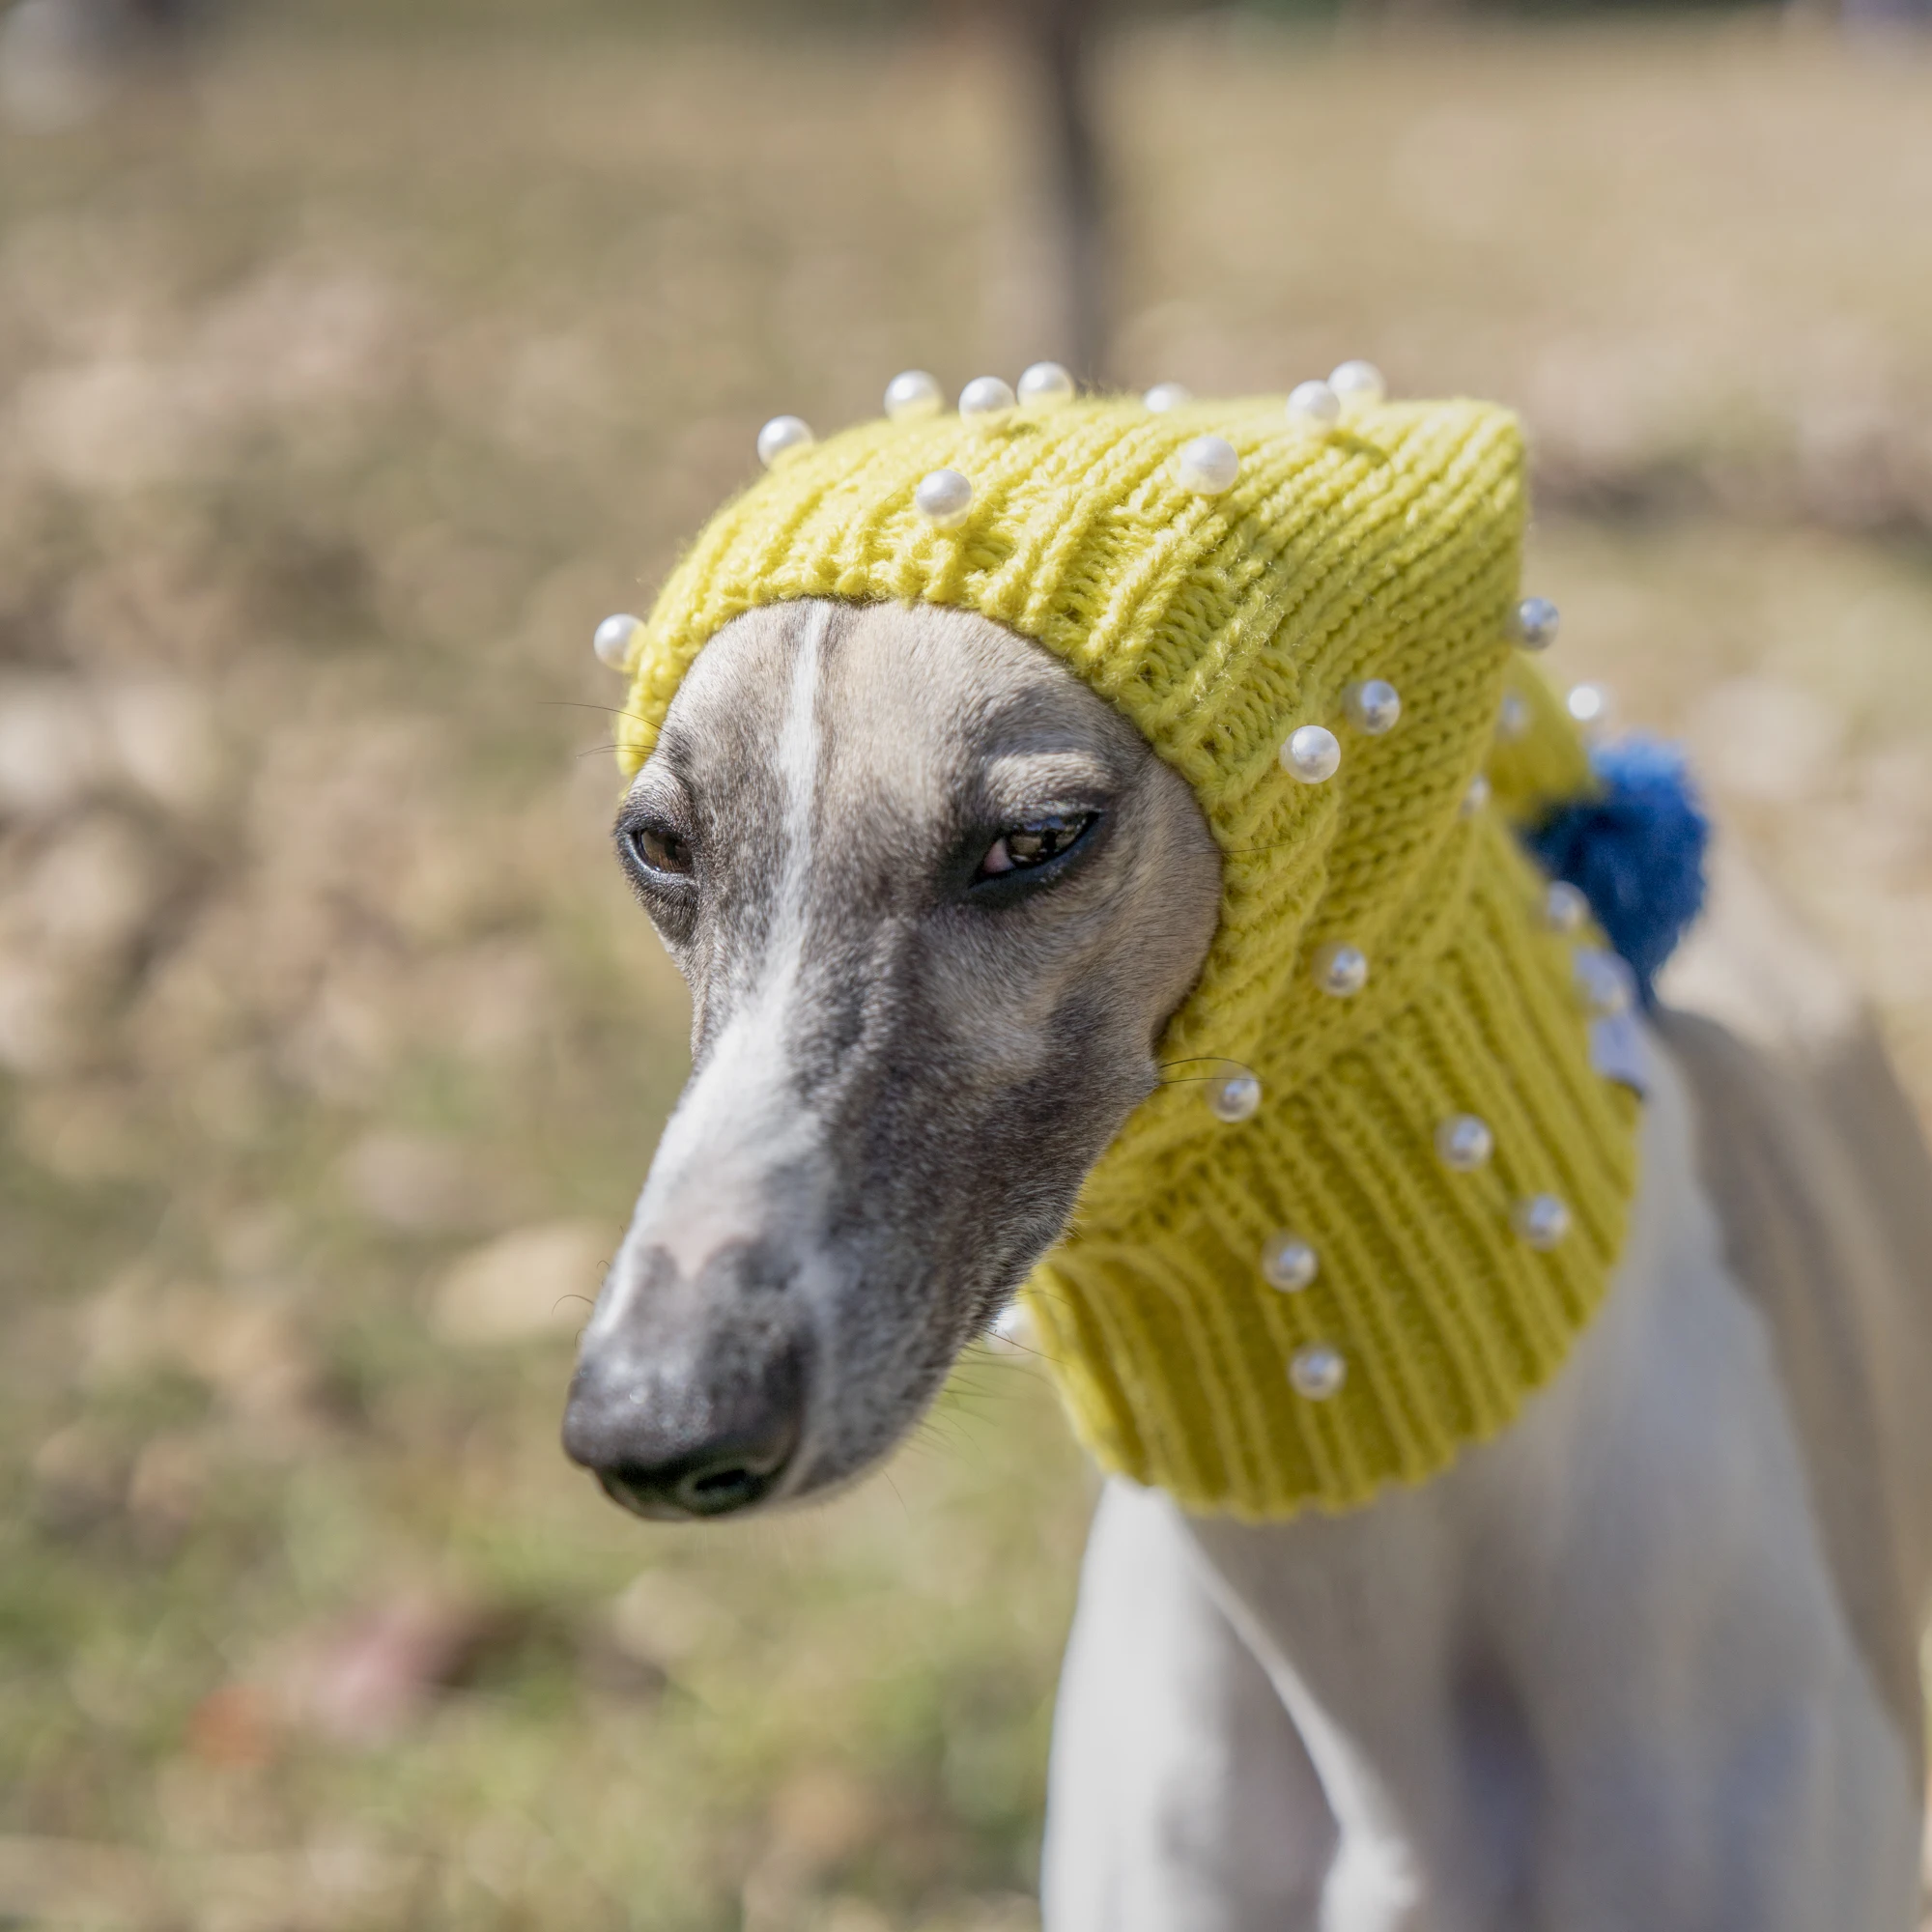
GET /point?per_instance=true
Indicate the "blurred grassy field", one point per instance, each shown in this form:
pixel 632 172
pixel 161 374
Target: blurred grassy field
pixel 339 401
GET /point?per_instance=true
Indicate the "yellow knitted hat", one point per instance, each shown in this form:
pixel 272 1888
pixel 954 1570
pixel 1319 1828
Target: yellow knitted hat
pixel 1384 1189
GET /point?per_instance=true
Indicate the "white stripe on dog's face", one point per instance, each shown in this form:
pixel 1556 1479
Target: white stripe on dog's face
pixel 797 762
pixel 734 1126
pixel 904 1058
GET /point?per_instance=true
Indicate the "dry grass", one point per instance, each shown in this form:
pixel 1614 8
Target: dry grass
pixel 335 408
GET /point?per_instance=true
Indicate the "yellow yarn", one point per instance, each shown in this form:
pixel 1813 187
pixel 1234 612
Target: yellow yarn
pixel 1388 547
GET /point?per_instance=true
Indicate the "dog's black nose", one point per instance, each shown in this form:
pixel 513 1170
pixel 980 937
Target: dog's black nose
pixel 674 1441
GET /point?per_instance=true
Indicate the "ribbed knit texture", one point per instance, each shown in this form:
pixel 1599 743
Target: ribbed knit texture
pixel 1388 547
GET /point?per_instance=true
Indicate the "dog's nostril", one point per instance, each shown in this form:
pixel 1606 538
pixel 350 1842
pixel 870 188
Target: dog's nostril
pixel 728 1485
pixel 715 1485
pixel 641 1495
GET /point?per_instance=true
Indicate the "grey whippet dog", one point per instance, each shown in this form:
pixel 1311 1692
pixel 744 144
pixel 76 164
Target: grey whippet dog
pixel 1646 1660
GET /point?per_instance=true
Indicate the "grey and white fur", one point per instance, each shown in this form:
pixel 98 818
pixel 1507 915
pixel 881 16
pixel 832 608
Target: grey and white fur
pixel 1646 1660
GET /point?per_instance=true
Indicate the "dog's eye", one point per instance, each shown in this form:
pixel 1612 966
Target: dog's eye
pixel 1026 846
pixel 661 850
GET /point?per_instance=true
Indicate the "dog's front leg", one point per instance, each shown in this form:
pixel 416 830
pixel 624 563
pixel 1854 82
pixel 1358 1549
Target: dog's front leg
pixel 1182 1799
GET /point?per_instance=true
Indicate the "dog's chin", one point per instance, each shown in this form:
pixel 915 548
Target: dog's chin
pixel 842 1458
pixel 844 1468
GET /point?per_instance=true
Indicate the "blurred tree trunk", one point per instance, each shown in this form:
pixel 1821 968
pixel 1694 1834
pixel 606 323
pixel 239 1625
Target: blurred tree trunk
pixel 1055 41
pixel 1059 36
pixel 63 61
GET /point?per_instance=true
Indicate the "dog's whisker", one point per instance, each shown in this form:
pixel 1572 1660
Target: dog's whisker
pixel 585 704
pixel 1224 1070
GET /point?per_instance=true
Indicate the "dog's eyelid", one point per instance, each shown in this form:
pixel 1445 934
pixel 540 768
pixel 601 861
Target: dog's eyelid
pixel 1049 780
pixel 1019 815
pixel 656 792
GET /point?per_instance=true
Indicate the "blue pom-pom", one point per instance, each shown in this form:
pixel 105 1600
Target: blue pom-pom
pixel 1637 853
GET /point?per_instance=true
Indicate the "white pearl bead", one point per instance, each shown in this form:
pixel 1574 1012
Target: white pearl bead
pixel 1358 381
pixel 1045 387
pixel 1313 754
pixel 1373 706
pixel 1512 717
pixel 1340 970
pixel 782 437
pixel 944 498
pixel 1475 797
pixel 985 396
pixel 1234 1097
pixel 1565 907
pixel 1317 1371
pixel 1288 1264
pixel 1165 396
pixel 1465 1143
pixel 913 395
pixel 1315 404
pixel 1536 622
pixel 1605 982
pixel 1542 1220
pixel 1589 704
pixel 612 641
pixel 1207 466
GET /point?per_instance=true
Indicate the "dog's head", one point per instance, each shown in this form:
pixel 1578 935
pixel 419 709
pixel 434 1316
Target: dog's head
pixel 940 736
pixel 935 901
